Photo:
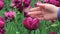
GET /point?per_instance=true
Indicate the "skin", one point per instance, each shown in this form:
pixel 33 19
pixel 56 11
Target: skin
pixel 44 11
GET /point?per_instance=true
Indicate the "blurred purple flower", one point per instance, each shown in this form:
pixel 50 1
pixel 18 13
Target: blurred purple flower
pixel 2 30
pixel 26 3
pixel 15 3
pixel 1 22
pixel 12 4
pixel 2 0
pixel 19 7
pixel 54 2
pixel 31 23
pixel 52 32
pixel 26 11
pixel 9 14
pixel 1 4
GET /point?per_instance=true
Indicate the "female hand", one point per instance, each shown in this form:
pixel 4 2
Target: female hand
pixel 44 11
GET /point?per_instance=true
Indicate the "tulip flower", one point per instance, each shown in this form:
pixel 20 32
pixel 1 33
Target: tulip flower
pixel 54 2
pixel 12 4
pixel 26 3
pixel 31 23
pixel 52 32
pixel 26 11
pixel 9 14
pixel 15 3
pixel 19 7
pixel 2 0
pixel 1 22
pixel 2 31
pixel 1 4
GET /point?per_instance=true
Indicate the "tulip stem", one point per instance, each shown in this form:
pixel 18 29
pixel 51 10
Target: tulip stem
pixel 29 31
pixel 34 31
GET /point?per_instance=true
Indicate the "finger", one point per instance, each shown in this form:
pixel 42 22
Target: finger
pixel 48 16
pixel 47 6
pixel 35 13
pixel 40 17
pixel 34 9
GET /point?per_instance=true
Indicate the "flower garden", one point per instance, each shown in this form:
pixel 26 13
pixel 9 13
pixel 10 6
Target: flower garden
pixel 15 20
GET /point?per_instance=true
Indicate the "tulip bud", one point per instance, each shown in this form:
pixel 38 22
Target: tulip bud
pixel 26 11
pixel 2 31
pixel 1 5
pixel 2 0
pixel 52 32
pixel 19 7
pixel 54 2
pixel 15 3
pixel 31 23
pixel 12 4
pixel 9 14
pixel 26 3
pixel 1 22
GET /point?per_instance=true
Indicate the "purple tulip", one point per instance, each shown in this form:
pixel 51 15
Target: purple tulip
pixel 12 4
pixel 52 32
pixel 19 7
pixel 26 11
pixel 31 23
pixel 54 2
pixel 58 0
pixel 6 14
pixel 2 0
pixel 26 3
pixel 2 30
pixel 1 19
pixel 15 3
pixel 1 5
pixel 1 22
pixel 9 14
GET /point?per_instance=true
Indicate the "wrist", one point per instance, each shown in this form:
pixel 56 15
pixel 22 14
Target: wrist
pixel 58 14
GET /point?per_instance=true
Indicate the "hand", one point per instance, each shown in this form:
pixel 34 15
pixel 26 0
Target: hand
pixel 44 11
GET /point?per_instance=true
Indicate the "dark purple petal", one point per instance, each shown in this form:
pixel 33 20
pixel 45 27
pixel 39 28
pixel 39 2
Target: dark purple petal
pixel 1 24
pixel 1 4
pixel 9 14
pixel 54 2
pixel 26 3
pixel 52 32
pixel 31 23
